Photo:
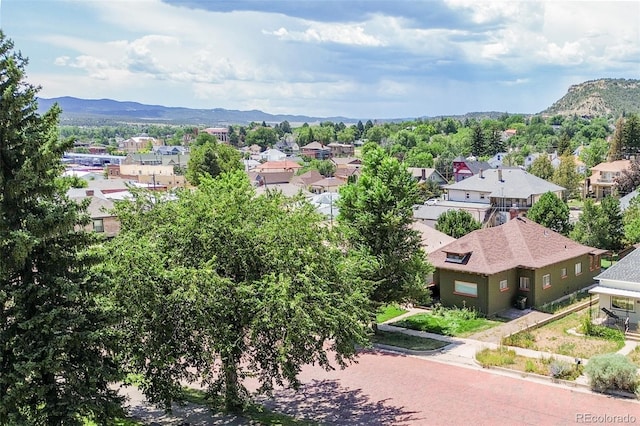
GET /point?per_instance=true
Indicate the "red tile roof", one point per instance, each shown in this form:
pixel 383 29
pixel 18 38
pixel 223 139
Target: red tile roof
pixel 518 243
pixel 278 165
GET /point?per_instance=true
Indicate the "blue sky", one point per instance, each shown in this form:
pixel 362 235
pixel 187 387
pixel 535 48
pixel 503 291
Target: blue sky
pixel 358 59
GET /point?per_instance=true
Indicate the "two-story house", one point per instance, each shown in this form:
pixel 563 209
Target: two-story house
pixel 316 150
pixel 502 191
pixel 603 178
pixel 464 168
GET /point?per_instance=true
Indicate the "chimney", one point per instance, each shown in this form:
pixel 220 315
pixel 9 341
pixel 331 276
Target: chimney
pixel 424 174
pixel 89 192
pixel 500 175
pixel 481 176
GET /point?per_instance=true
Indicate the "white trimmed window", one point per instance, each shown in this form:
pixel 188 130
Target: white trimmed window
pixel 504 285
pixel 622 303
pixel 466 288
pixel 564 273
pixel 525 283
pixel 546 281
pixel 578 268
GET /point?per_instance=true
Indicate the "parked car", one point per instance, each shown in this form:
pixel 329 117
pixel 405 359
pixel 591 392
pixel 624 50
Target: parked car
pixel 431 201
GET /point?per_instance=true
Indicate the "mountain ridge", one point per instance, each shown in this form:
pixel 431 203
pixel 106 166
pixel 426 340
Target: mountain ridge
pixel 601 97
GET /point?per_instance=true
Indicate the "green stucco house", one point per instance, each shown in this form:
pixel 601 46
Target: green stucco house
pixel 491 269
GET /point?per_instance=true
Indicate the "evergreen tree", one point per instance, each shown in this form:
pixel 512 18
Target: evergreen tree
pixel 376 213
pixel 631 221
pixel 617 142
pixel 631 135
pixel 478 147
pixel 610 207
pixel 591 228
pixel 564 144
pixel 55 363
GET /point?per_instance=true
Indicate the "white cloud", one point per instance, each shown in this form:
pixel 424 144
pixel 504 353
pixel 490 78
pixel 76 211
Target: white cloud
pixel 330 33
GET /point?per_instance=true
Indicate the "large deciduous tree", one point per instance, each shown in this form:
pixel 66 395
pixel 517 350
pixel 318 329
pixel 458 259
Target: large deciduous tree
pixel 629 179
pixel 457 223
pixel 377 212
pixel 542 167
pixel 591 228
pixel 211 158
pixel 551 212
pixel 220 284
pixel 55 353
pixel 567 176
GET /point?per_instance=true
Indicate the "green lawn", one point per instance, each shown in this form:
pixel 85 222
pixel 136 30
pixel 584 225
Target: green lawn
pixel 575 204
pixel 385 313
pixel 448 322
pixel 407 341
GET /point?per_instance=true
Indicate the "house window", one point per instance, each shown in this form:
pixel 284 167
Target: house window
pixel 578 268
pixel 546 281
pixel 525 283
pixel 504 285
pixel 457 257
pixel 482 196
pixel 594 262
pixel 622 303
pixel 98 225
pixel 563 272
pixel 465 288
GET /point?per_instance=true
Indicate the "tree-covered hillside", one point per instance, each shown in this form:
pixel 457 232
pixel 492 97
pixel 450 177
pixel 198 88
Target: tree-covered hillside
pixel 596 98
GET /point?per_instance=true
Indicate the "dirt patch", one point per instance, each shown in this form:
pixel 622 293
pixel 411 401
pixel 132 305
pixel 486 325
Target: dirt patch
pixel 555 338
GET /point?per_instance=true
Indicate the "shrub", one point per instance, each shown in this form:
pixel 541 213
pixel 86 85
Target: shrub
pixel 564 370
pixel 530 366
pixel 612 371
pixel 524 339
pixel 594 330
pixel 496 357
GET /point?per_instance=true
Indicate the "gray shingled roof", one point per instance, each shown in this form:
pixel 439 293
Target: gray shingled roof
pixel 627 269
pixel 624 201
pixel 516 183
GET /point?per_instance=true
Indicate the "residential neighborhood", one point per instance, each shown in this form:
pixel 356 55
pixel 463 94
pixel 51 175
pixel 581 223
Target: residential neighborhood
pixel 308 270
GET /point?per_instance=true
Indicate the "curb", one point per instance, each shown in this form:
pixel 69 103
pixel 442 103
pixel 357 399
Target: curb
pixel 390 348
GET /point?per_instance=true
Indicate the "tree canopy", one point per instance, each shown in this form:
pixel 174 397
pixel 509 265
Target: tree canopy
pixel 211 158
pixel 551 212
pixel 233 285
pixel 376 213
pixel 55 350
pixel 457 223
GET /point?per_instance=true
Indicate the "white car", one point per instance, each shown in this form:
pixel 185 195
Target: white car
pixel 431 201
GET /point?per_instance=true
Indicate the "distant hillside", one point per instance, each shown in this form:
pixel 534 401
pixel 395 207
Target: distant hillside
pixel 106 111
pixel 599 98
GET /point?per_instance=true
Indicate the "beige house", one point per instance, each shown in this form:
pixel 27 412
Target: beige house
pixel 159 175
pixel 100 208
pixel 603 178
pixel 139 143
